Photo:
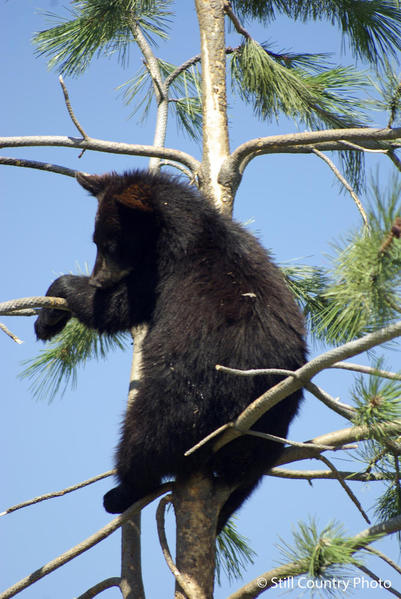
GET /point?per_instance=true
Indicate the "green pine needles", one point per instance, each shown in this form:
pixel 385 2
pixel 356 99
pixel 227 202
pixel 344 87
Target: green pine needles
pixel 56 367
pixel 377 401
pixel 300 86
pixel 233 553
pixel 96 28
pixel 373 29
pixel 361 290
pixel 325 555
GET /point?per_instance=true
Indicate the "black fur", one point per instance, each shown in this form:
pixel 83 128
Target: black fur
pixel 210 295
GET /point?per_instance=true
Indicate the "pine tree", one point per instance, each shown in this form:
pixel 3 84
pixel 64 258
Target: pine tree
pixel 352 305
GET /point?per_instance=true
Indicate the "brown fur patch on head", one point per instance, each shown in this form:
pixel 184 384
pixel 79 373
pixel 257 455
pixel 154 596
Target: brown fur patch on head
pixel 136 196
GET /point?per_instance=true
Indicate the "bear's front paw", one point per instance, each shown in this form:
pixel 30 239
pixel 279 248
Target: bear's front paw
pixel 117 500
pixel 50 322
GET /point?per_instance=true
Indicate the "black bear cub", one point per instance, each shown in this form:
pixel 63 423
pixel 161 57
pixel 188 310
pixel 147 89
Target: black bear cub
pixel 210 295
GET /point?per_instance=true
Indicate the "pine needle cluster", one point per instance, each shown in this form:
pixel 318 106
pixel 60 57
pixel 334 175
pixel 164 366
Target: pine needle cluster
pixel 98 27
pixel 377 401
pixel 233 553
pixel 328 554
pixel 299 86
pixel 184 95
pixel 55 369
pixel 360 291
pixel 373 29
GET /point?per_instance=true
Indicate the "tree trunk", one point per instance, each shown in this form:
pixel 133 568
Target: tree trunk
pixel 214 101
pixel 131 584
pixel 197 503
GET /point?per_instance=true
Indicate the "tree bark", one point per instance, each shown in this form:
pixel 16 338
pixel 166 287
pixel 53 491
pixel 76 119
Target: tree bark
pixel 214 102
pixel 131 565
pixel 197 503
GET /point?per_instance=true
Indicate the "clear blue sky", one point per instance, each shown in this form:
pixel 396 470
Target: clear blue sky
pixel 46 228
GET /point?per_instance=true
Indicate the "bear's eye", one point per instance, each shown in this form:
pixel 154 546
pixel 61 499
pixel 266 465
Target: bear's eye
pixel 109 248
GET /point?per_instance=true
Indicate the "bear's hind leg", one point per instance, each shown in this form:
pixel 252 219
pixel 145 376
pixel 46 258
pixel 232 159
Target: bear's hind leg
pixel 234 502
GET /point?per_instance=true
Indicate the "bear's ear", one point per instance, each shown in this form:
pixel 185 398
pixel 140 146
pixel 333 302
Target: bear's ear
pixel 92 183
pixel 136 196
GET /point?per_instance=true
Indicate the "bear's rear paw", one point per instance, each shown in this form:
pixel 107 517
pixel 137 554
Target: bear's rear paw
pixel 118 500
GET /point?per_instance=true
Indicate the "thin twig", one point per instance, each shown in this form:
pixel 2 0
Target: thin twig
pixel 354 146
pixel 339 438
pixel 328 475
pixel 42 166
pixel 334 404
pixel 46 496
pixel 342 409
pixel 182 67
pixel 235 21
pixel 180 167
pixel 98 588
pixel 10 334
pixel 373 576
pixel 269 437
pixel 70 110
pixel 384 557
pixel 344 182
pixel 292 383
pixel 255 371
pixel 84 545
pixel 367 370
pixel 188 586
pixel 394 159
pixel 209 438
pixel 350 494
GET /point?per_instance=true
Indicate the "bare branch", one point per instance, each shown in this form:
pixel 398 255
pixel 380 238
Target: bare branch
pixel 84 545
pixel 394 159
pixel 334 404
pixel 338 438
pixel 235 21
pixel 383 528
pixel 255 371
pixel 344 182
pixel 75 487
pixel 69 108
pixel 181 68
pixel 265 581
pixel 160 89
pixel 373 576
pixel 367 370
pixel 42 166
pixel 385 558
pixel 188 586
pixel 329 139
pixel 346 488
pixel 99 145
pixel 268 579
pixel 353 146
pixel 98 588
pixel 10 334
pixel 269 437
pixel 13 307
pixel 328 475
pixel 292 383
pixel 181 168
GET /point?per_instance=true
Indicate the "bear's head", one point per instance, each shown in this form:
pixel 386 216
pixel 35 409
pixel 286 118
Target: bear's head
pixel 125 226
